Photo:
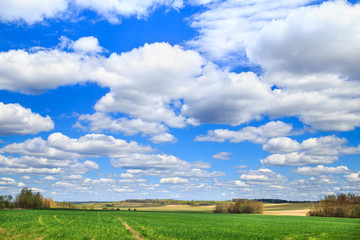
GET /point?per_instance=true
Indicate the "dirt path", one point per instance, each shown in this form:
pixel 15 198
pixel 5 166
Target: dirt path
pixel 287 212
pixel 135 234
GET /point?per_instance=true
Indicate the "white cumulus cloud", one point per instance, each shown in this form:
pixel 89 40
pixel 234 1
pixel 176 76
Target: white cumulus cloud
pixel 222 155
pixel 353 177
pixel 30 11
pixel 253 134
pixel 17 120
pixel 174 180
pixel 320 170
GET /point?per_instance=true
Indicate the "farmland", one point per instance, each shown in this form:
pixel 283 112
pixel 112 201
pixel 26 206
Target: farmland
pixel 97 224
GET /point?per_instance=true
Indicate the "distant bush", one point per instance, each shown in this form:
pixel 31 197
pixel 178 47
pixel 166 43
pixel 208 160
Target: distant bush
pixel 6 201
pixel 345 206
pixel 240 206
pixel 221 207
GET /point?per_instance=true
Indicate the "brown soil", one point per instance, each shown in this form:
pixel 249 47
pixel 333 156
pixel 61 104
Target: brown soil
pixel 287 212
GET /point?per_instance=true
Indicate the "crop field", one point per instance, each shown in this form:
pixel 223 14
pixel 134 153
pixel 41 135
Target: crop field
pixel 97 224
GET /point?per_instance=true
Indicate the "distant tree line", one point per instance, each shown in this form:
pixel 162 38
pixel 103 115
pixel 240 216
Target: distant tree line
pixel 27 198
pixel 6 201
pixel 172 202
pixel 270 200
pixel 240 206
pixel 342 205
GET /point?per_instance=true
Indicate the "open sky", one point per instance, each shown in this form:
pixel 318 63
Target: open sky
pixel 184 99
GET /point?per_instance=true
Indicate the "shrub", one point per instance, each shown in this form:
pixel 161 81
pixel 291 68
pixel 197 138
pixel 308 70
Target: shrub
pixel 342 205
pixel 221 207
pixel 6 201
pixel 240 206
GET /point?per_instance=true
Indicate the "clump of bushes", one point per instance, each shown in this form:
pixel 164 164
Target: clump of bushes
pixel 240 206
pixel 6 201
pixel 342 205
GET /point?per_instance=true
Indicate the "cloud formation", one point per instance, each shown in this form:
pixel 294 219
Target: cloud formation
pixel 33 11
pixel 312 151
pixel 320 170
pixel 222 155
pixel 15 119
pixel 226 28
pixel 176 88
pixel 30 11
pixel 252 134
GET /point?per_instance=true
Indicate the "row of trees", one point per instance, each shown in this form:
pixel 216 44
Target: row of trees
pixel 26 199
pixel 29 199
pixel 240 206
pixel 341 205
pixel 6 201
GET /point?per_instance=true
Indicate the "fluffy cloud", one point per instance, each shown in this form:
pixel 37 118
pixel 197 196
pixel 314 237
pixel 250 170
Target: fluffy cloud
pixel 163 138
pixel 146 161
pixel 328 145
pixel 39 148
pixel 189 171
pixel 103 122
pixel 227 27
pixel 7 181
pixel 95 145
pixel 113 9
pixel 30 11
pixel 148 94
pixel 262 175
pixel 318 86
pixel 29 72
pixel 252 134
pixel 61 154
pixel 312 151
pixel 174 180
pixel 353 177
pixel 176 88
pixel 297 159
pixel 320 170
pixel 222 155
pixel 86 45
pixel 311 40
pixel 15 119
pixel 312 65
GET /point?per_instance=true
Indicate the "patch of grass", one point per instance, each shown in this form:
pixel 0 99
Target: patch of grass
pixel 167 225
pixel 61 224
pixel 77 224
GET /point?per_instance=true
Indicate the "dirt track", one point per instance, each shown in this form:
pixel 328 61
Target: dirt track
pixel 288 212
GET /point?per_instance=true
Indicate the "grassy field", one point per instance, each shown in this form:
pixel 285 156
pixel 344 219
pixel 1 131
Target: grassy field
pixel 77 224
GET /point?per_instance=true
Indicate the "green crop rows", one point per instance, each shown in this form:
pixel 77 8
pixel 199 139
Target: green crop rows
pixel 75 224
pixel 61 224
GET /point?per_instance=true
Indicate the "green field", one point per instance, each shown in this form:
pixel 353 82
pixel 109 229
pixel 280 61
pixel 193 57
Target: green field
pixel 77 224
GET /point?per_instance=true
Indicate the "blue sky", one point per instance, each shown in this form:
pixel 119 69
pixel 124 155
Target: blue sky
pixel 203 99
